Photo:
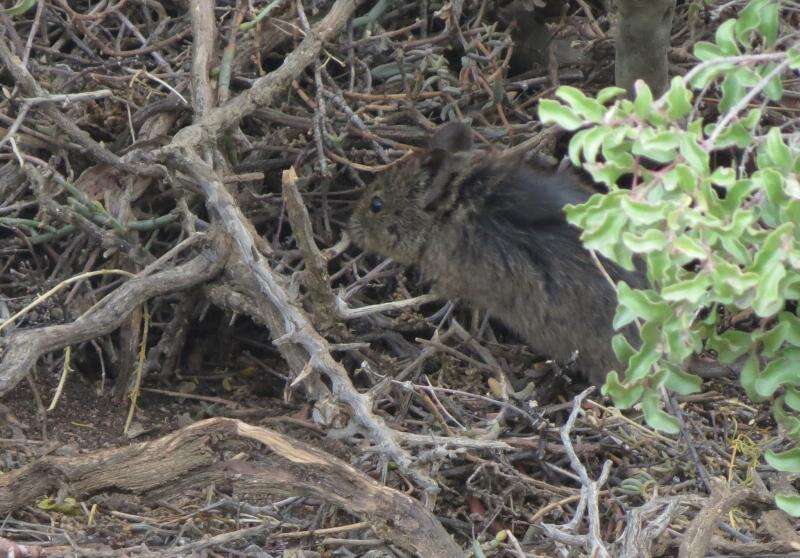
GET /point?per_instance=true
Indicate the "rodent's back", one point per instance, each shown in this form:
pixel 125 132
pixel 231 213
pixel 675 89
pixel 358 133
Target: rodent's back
pixel 506 246
pixel 492 231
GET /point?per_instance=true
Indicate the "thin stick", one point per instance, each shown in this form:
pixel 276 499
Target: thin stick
pixel 41 298
pixel 63 380
pixel 69 97
pixel 135 392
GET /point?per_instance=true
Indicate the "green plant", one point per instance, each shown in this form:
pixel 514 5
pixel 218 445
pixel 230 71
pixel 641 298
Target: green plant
pixel 714 210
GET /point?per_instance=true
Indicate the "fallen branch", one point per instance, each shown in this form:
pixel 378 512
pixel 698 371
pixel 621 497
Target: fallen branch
pixel 188 457
pixel 698 537
pixel 25 346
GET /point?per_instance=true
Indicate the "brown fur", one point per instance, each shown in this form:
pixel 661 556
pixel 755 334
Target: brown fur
pixel 492 232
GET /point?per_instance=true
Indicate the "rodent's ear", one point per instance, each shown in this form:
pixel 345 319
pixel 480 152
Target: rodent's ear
pixel 451 138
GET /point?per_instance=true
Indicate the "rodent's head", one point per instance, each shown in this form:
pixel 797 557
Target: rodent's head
pixel 396 217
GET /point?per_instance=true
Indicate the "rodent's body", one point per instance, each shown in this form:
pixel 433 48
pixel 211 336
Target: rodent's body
pixel 492 232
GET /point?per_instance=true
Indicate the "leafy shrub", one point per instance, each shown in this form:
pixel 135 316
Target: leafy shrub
pixel 720 235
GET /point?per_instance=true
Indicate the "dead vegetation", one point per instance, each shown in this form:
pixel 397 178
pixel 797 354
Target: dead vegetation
pixel 173 270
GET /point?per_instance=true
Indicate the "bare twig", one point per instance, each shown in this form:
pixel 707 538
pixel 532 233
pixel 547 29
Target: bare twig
pixel 590 491
pixel 29 86
pixel 347 313
pixel 24 347
pixel 318 281
pixel 67 98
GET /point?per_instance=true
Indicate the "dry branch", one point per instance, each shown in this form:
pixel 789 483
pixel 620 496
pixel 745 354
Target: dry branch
pixel 29 86
pixel 188 458
pixel 295 326
pixel 317 281
pixel 182 154
pixel 25 346
pixel 697 539
pixel 264 90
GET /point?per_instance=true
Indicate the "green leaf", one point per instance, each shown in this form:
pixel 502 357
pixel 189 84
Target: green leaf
pixel 752 119
pixel 659 267
pixel 616 136
pixel 780 371
pixel 593 142
pixel 643 103
pixel 792 398
pixel 605 235
pixel 786 330
pixel 771 181
pixel 737 192
pixel 553 112
pixel 622 348
pixel 735 134
pixel 774 88
pixel 586 107
pixel 624 396
pixel 657 146
pixel 582 215
pixel 642 361
pixel 681 176
pixel 732 91
pixel 704 77
pixel 730 345
pixel 691 290
pixel 605 173
pixel 723 176
pixel 619 157
pixel 689 247
pixel 735 249
pixel 679 99
pixel 20 8
pixel 777 151
pixel 787 461
pixel 657 418
pixel 747 22
pixel 770 251
pixel 637 304
pixel 477 551
pixel 770 20
pixel 793 186
pixel 681 382
pixel 706 51
pixel 576 146
pixel 608 93
pixel 768 300
pixel 642 213
pixel 787 421
pixel 696 157
pixel 790 503
pixel 652 239
pixel 749 376
pixel 794 58
pixel 733 277
pixel 725 39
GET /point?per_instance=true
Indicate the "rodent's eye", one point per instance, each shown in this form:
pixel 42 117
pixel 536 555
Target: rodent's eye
pixel 376 205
